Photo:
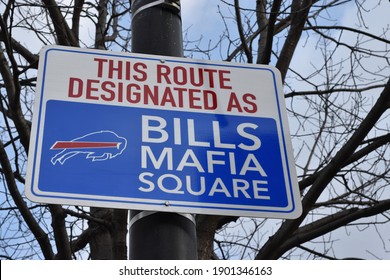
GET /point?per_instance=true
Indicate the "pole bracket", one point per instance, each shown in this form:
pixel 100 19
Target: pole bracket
pixel 170 4
pixel 144 214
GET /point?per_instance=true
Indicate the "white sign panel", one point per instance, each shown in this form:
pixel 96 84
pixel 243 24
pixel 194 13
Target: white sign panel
pixel 145 132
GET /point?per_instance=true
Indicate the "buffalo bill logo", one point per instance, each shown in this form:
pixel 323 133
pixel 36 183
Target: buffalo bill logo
pixel 95 146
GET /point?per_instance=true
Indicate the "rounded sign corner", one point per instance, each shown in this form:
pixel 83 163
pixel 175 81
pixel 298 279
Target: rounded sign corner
pixel 297 211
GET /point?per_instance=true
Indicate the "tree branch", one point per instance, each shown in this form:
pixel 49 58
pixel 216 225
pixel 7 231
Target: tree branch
pixel 299 11
pixel 119 234
pixel 375 144
pixel 241 32
pixel 332 90
pixel 64 34
pixel 83 239
pixel 12 86
pixel 274 248
pixel 77 9
pixel 357 31
pixel 333 222
pixel 39 234
pixel 60 235
pixel 265 58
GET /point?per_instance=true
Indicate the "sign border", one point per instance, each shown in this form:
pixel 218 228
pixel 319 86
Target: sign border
pixel 293 210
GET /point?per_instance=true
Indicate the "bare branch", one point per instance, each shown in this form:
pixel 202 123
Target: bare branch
pixel 299 11
pixel 332 222
pixel 273 248
pixel 265 55
pixel 64 34
pixel 241 31
pixel 333 90
pixel 61 237
pixel 78 7
pixel 39 234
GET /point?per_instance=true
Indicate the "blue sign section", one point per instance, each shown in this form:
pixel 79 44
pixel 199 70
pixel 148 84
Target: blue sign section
pixel 161 155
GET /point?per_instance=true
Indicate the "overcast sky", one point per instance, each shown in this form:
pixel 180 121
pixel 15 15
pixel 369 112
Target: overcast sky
pixel 202 18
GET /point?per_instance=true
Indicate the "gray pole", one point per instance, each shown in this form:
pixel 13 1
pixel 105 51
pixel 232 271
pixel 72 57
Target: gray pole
pixel 156 29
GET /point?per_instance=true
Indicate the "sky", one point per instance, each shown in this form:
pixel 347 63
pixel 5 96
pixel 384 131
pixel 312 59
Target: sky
pixel 203 20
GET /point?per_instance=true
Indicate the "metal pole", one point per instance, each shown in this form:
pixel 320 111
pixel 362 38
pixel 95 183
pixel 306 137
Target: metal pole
pixel 156 29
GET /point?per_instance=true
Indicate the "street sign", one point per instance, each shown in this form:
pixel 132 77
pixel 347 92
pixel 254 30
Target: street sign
pixel 134 131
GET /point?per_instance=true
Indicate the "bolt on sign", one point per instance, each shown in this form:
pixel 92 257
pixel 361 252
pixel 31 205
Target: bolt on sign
pixel 156 133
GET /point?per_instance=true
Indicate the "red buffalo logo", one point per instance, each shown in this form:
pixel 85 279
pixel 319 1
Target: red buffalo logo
pixel 95 146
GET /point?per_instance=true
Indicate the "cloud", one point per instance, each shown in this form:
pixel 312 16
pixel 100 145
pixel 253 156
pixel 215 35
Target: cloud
pixel 197 12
